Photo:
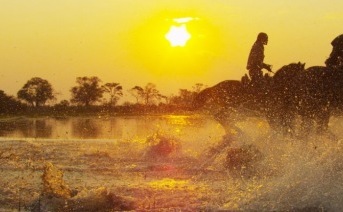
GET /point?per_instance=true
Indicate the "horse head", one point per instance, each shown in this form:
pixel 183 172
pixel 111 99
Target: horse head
pixel 289 72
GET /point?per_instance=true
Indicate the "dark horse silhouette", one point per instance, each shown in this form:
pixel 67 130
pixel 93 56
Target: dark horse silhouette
pixel 320 93
pixel 311 95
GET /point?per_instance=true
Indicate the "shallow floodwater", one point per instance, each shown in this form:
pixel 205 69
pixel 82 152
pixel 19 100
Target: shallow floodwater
pixel 109 164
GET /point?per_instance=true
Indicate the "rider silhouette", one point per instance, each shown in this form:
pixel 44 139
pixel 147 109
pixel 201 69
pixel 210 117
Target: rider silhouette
pixel 255 61
pixel 336 57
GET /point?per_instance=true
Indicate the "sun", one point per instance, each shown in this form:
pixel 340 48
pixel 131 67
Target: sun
pixel 178 35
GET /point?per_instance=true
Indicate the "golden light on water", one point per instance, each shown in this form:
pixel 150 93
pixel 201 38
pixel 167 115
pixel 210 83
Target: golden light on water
pixel 168 184
pixel 178 35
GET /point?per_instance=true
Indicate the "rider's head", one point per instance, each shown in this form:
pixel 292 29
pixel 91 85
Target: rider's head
pixel 335 59
pixel 263 38
pixel 338 42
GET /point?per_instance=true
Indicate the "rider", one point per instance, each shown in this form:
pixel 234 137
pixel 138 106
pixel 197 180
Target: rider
pixel 255 61
pixel 336 57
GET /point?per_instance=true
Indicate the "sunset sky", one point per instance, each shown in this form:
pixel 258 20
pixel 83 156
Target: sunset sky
pixel 125 41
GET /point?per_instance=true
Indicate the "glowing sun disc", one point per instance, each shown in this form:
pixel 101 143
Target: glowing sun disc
pixel 178 35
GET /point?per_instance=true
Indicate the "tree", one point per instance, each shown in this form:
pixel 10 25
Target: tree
pixel 36 92
pixel 137 92
pixel 62 104
pixel 186 97
pixel 114 90
pixel 87 91
pixel 198 87
pixel 148 95
pixel 8 104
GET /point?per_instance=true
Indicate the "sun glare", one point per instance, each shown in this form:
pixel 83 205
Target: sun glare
pixel 178 35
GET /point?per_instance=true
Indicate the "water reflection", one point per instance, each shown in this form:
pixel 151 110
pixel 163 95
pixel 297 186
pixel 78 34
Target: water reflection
pixel 39 129
pixel 85 128
pixel 6 128
pixel 129 127
pixel 33 128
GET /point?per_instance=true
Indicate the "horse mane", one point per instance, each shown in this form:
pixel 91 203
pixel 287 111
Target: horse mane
pixel 289 72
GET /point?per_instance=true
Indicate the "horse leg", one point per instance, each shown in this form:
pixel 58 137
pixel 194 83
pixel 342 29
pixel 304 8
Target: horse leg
pixel 287 122
pixel 323 126
pixel 322 120
pixel 306 125
pixel 281 122
pixel 226 118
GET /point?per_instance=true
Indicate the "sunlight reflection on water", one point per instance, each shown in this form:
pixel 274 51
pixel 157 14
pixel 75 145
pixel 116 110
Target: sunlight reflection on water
pixel 103 128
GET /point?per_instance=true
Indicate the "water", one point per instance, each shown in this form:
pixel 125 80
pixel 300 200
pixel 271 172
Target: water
pixel 105 160
pixel 126 127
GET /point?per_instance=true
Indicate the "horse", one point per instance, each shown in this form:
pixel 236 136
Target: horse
pixel 275 99
pixel 320 94
pixel 224 101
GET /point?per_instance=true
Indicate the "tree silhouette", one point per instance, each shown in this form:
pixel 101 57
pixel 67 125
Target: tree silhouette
pixel 148 95
pixel 87 91
pixel 137 92
pixel 36 92
pixel 198 87
pixel 114 90
pixel 62 105
pixel 8 104
pixel 186 97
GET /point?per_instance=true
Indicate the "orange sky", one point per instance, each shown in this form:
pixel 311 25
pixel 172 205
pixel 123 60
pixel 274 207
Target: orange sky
pixel 124 40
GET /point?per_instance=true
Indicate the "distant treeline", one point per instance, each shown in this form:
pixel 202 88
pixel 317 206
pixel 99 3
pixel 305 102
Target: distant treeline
pixel 90 96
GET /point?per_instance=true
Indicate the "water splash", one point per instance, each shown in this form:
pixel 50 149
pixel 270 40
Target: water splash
pixel 289 174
